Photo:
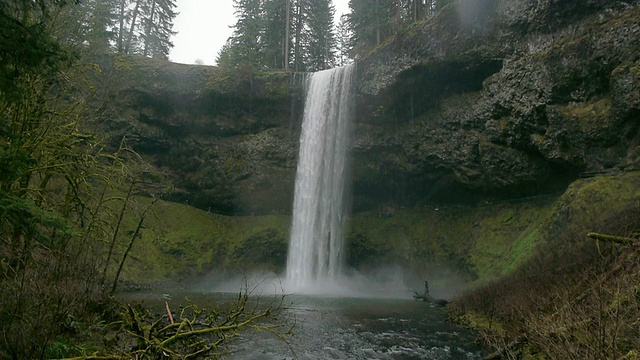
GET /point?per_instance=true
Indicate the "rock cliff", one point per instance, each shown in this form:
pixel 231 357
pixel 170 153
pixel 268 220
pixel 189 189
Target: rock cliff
pixel 487 100
pixel 226 140
pixel 495 99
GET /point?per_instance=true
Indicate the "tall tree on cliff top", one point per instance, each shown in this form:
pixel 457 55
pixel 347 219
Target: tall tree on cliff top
pixel 314 39
pixel 245 43
pixel 344 35
pixel 276 33
pixel 99 22
pixel 416 10
pixel 320 35
pixel 157 17
pixel 372 22
pixel 89 27
pixel 299 7
pixel 149 27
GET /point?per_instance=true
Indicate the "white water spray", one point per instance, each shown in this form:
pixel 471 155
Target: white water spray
pixel 316 248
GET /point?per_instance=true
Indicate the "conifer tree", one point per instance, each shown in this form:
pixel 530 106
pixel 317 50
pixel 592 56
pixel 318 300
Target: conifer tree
pixel 276 34
pixel 157 18
pixel 344 35
pixel 372 22
pixel 321 35
pixel 298 51
pixel 150 27
pixel 99 22
pixel 245 45
pixel 131 38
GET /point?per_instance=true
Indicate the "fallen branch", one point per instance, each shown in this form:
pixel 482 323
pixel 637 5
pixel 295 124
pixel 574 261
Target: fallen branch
pixel 616 239
pixel 195 332
pixel 169 312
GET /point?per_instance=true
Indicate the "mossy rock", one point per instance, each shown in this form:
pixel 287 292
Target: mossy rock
pixel 264 249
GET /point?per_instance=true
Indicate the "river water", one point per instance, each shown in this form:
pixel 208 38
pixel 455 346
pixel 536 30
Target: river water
pixel 346 328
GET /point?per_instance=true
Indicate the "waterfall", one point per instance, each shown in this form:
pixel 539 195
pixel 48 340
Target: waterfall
pixel 316 248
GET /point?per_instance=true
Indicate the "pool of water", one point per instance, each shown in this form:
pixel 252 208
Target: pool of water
pixel 347 328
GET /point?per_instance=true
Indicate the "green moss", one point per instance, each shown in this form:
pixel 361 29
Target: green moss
pixel 253 83
pixel 507 239
pixel 178 240
pixel 589 116
pixel 490 241
pixel 483 242
pixel 480 323
pixel 588 203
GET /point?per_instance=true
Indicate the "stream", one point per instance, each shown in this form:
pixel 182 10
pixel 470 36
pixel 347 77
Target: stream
pixel 344 328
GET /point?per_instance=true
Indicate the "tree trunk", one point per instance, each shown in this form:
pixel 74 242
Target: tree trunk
pixel 135 235
pixel 287 36
pixel 121 27
pixel 378 25
pixel 133 26
pixel 298 35
pixel 114 238
pixel 148 30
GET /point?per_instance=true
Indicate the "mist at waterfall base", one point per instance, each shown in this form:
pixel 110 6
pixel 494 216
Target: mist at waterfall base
pixel 316 257
pixel 338 312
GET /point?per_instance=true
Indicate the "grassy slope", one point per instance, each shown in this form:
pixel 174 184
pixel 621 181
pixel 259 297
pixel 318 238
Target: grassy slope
pixel 482 243
pixel 181 240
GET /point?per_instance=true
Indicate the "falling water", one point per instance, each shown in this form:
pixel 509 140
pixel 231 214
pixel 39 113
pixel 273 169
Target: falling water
pixel 316 249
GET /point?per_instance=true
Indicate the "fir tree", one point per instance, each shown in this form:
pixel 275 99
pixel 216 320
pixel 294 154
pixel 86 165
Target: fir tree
pixel 321 36
pixel 276 37
pixel 100 20
pixel 157 18
pixel 344 35
pixel 372 22
pixel 245 43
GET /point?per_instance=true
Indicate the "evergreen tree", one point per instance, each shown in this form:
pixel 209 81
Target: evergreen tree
pixel 25 44
pixel 320 35
pixel 100 20
pixel 275 34
pixel 148 26
pixel 226 57
pixel 131 40
pixel 344 35
pixel 275 38
pixel 298 41
pixel 245 43
pixel 416 10
pixel 157 18
pixel 123 5
pixel 372 22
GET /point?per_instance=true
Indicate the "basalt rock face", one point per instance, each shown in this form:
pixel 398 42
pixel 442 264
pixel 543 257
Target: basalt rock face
pixel 488 100
pixel 226 141
pixel 499 99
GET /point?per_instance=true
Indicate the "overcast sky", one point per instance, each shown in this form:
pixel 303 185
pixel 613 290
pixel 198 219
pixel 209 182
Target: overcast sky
pixel 203 26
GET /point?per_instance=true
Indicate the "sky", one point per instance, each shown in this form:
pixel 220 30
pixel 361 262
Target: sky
pixel 203 26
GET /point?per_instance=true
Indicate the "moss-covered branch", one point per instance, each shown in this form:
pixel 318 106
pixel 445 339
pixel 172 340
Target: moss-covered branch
pixel 610 238
pixel 196 332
